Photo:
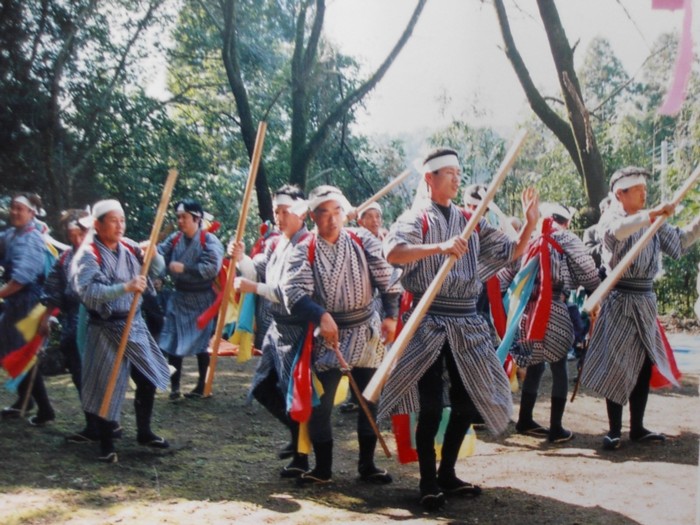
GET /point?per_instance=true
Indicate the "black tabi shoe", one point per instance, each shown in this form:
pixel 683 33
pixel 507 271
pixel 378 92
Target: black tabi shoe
pixel 10 413
pixel 560 436
pixel 109 457
pixel 310 478
pixel 432 499
pixel 174 396
pixel 376 476
pixel 611 442
pixel 153 441
pixel 41 421
pixel 298 466
pixel 532 428
pixel 457 487
pixel 349 407
pixel 647 436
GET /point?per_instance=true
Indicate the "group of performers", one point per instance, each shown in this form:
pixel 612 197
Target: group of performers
pixel 335 295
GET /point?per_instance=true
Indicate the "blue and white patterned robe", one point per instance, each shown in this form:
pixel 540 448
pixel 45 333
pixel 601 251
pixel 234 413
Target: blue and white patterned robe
pixel 569 270
pixel 625 331
pixel 468 336
pixel 281 339
pixel 342 279
pixel 193 291
pixel 95 283
pixel 22 254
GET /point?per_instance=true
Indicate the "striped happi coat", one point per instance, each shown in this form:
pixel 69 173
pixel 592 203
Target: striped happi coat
pixel 22 255
pixel 342 280
pixel 281 338
pixel 468 336
pixel 625 331
pixel 98 284
pixel 569 270
pixel 193 291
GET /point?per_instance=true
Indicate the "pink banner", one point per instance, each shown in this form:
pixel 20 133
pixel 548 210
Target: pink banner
pixel 684 60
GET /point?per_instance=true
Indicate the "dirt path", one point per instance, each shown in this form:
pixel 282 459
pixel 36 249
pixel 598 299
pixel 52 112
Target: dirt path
pixel 223 469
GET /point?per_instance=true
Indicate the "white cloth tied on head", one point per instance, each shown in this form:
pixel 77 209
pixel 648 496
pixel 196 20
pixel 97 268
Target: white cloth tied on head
pixel 21 199
pixel 296 206
pixel 443 161
pixel 548 209
pixel 101 208
pixel 329 194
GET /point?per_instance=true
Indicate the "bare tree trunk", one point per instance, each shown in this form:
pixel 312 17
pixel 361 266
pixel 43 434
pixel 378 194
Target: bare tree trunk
pixel 576 135
pixel 240 94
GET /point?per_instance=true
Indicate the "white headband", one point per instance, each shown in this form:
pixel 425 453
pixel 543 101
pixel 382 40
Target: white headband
pixel 25 201
pixel 331 195
pixel 297 206
pixel 371 206
pixel 103 207
pixel 547 209
pixel 624 183
pixel 443 161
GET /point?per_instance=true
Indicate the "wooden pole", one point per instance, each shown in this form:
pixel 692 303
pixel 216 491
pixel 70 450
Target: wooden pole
pixel 380 376
pixel 386 189
pixel 240 230
pixel 616 273
pixel 148 257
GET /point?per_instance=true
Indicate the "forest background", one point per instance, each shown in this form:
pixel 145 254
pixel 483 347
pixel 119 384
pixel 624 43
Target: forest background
pixel 80 121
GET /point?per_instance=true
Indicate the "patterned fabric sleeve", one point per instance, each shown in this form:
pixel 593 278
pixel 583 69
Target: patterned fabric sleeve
pixel 380 271
pixel 495 250
pixel 27 257
pixel 690 234
pixel 54 289
pixel 91 284
pixel 581 265
pixel 300 276
pixel 408 229
pixel 211 258
pixel 165 248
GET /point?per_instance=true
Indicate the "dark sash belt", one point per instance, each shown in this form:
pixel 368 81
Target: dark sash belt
pixel 192 287
pixel 97 318
pixel 635 285
pixel 449 306
pixel 352 318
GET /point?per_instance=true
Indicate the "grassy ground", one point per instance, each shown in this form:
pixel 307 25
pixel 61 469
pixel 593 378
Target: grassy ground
pixel 222 468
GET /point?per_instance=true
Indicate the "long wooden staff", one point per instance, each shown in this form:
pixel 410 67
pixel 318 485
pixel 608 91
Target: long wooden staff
pixel 375 385
pixel 148 257
pixel 616 273
pixel 240 230
pixel 386 189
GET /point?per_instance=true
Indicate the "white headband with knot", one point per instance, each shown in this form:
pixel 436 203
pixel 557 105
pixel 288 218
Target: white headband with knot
pixel 371 206
pixel 330 195
pixel 21 199
pixel 628 181
pixel 297 206
pixel 443 161
pixel 101 208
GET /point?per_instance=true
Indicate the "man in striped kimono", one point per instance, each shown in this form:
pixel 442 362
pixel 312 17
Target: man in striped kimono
pixel 331 280
pixel 193 257
pixel 285 331
pixel 626 340
pixel 452 336
pixel 22 252
pixel 105 275
pixel 570 266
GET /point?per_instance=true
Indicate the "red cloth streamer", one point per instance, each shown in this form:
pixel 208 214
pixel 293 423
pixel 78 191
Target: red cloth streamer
pixel 537 325
pixel 657 379
pixel 498 312
pixel 401 425
pixel 302 392
pixel 405 304
pixel 16 361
